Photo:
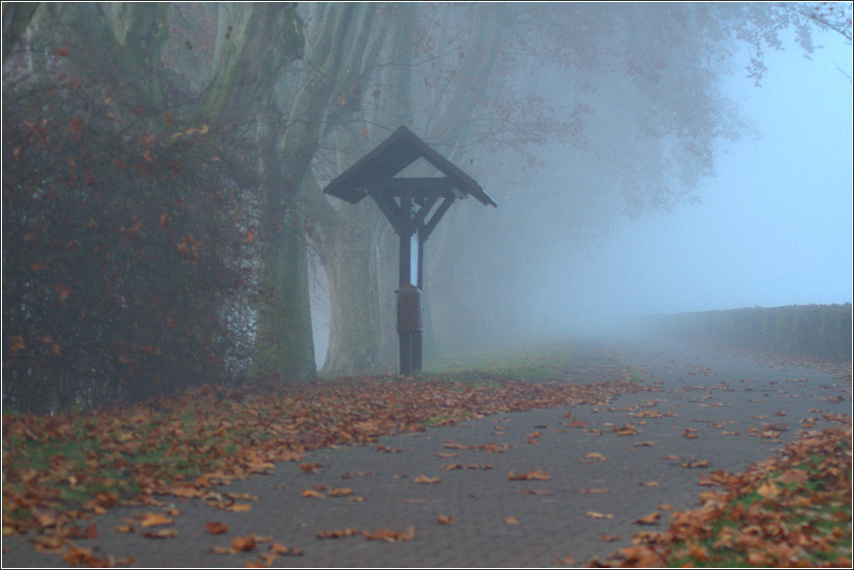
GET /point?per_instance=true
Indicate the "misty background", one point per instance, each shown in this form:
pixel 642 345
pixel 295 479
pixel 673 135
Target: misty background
pixel 773 227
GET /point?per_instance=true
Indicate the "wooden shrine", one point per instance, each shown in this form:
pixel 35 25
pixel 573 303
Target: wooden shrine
pixel 413 207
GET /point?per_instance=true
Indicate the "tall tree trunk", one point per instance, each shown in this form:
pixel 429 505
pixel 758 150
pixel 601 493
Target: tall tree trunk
pixel 284 342
pixel 350 248
pixel 350 263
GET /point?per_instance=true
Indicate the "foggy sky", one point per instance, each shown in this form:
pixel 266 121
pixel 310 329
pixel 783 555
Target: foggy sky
pixel 775 225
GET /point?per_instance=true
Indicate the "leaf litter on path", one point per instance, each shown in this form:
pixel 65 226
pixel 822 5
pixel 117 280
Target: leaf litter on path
pixel 791 510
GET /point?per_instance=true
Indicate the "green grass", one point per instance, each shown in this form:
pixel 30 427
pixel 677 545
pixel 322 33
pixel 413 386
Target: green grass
pixel 540 361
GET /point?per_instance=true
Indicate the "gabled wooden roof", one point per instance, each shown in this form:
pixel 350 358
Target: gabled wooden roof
pixel 376 169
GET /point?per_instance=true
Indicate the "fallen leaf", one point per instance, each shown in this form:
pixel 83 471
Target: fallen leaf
pixel 597 515
pixel 425 480
pixel 651 518
pixel 154 519
pixel 216 527
pixel 278 548
pixel 533 474
pixel 768 490
pixel 442 519
pixel 244 543
pixel 387 535
pixel 163 533
pixel 48 543
pixel 627 429
pixel 339 533
pixel 309 467
pixel 511 520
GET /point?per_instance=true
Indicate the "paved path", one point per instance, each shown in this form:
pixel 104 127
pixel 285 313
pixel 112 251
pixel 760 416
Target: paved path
pixel 726 402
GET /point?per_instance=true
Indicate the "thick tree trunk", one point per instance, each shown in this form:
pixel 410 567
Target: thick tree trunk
pixel 284 341
pixel 351 268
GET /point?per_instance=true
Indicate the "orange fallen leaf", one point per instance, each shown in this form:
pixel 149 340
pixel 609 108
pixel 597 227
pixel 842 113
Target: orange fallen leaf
pixel 768 490
pixel 530 475
pixel 442 519
pixel 339 533
pixel 387 535
pixel 425 480
pixel 163 533
pixel 651 518
pixel 309 467
pixel 279 548
pixel 154 519
pixel 48 543
pixel 511 520
pixel 185 492
pixel 627 429
pixel 90 532
pixel 238 507
pixel 77 556
pixel 595 455
pixel 341 492
pixel 244 544
pixel 216 527
pixel 313 493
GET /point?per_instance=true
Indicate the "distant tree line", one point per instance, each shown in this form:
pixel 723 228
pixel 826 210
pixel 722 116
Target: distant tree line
pixel 808 331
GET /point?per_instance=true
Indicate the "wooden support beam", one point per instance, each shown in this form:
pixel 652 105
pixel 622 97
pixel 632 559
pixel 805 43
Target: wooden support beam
pixel 387 207
pixel 434 220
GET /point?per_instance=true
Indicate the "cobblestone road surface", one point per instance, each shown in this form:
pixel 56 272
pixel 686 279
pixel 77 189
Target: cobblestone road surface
pixel 599 482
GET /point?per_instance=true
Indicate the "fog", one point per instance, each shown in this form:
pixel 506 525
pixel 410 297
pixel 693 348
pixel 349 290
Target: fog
pixel 774 226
